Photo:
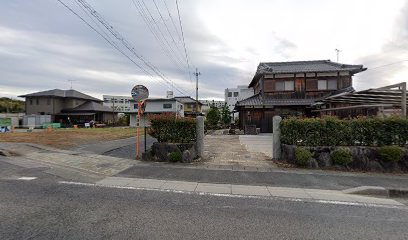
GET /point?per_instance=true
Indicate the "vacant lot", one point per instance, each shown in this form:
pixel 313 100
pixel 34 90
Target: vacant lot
pixel 67 138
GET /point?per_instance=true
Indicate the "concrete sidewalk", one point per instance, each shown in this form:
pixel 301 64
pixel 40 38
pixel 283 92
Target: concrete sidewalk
pixel 329 196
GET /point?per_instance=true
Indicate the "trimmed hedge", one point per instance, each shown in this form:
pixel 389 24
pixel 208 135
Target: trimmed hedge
pixel 390 153
pixel 342 156
pixel 168 128
pixel 330 131
pixel 302 156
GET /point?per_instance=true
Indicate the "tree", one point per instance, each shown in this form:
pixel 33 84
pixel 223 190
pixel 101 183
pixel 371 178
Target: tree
pixel 213 117
pixel 225 115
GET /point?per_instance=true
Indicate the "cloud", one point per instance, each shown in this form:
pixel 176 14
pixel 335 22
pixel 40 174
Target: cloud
pixel 389 65
pixel 42 45
pixel 283 46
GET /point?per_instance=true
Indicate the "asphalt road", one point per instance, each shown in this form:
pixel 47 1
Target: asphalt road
pixel 46 209
pixel 121 148
pixel 333 181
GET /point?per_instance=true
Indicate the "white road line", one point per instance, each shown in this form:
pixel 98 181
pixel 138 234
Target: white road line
pixel 344 203
pixel 27 178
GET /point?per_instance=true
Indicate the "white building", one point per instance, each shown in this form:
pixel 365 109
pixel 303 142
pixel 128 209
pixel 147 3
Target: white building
pixel 121 103
pixel 156 106
pixel 207 104
pixel 232 95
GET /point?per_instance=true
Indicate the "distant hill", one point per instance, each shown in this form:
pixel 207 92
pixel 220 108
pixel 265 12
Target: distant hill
pixel 11 105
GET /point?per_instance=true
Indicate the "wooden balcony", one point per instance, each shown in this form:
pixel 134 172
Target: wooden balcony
pixel 300 95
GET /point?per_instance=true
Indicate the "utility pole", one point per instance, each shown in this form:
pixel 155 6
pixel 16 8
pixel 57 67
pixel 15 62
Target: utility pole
pixel 338 53
pixel 196 74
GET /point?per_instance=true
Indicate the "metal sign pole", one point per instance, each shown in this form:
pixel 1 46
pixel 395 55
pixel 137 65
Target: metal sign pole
pixel 138 130
pixel 139 94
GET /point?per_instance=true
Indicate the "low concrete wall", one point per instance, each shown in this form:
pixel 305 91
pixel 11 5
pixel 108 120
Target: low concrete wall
pixel 364 158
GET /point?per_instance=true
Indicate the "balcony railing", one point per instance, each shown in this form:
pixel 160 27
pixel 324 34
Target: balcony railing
pixel 299 95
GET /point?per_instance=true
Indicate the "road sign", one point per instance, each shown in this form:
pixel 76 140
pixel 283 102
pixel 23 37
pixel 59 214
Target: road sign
pixel 139 93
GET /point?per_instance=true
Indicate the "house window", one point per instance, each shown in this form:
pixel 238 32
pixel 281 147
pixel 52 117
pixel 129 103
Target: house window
pixel 327 84
pixel 332 84
pixel 322 85
pixel 311 84
pixel 285 85
pixel 37 101
pixel 167 105
pixel 229 94
pixel 31 101
pixel 235 94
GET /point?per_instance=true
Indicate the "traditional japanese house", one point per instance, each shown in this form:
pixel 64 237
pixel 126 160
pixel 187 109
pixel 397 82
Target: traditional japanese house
pixel 292 89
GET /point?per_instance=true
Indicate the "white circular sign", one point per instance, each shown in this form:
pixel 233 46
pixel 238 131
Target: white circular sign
pixel 140 93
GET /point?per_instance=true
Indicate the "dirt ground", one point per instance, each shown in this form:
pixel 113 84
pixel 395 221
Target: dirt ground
pixel 68 138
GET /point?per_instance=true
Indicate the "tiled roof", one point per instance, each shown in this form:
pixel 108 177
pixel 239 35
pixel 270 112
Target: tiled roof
pixel 187 99
pixel 304 67
pixel 256 100
pixel 62 94
pixel 89 106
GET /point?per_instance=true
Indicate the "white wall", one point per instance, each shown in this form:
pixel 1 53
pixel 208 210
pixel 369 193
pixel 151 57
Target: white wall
pixel 243 93
pixel 156 107
pixel 122 103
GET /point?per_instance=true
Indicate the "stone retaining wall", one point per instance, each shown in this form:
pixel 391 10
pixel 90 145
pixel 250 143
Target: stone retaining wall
pixel 160 152
pixel 364 158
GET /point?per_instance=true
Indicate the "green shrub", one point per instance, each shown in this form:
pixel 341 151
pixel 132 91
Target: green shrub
pixel 213 118
pixel 175 157
pixel 341 156
pixel 168 128
pixel 302 156
pixel 330 131
pixel 390 153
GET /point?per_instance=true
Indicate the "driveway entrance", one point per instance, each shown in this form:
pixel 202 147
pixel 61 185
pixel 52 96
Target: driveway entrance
pixel 237 150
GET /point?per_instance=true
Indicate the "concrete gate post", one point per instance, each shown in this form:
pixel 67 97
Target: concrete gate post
pixel 200 135
pixel 276 145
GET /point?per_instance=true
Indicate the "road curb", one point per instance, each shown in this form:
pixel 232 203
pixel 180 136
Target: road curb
pixel 377 191
pixel 401 193
pixel 368 190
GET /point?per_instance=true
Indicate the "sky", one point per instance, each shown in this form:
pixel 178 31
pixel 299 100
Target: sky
pixel 44 46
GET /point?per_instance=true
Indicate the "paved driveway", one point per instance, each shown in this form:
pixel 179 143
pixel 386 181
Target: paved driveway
pixel 228 150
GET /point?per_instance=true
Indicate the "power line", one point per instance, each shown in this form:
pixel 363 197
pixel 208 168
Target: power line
pixel 161 33
pixel 107 40
pixel 154 28
pixel 123 40
pixel 156 35
pixel 172 21
pixel 180 39
pixel 182 34
pixel 386 65
pixel 167 28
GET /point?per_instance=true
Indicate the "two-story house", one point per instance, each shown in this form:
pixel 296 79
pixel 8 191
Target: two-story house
pixel 291 89
pixel 156 106
pixel 190 106
pixel 67 106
